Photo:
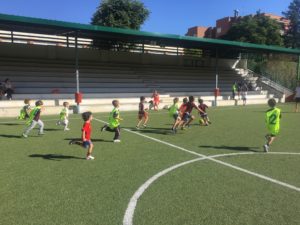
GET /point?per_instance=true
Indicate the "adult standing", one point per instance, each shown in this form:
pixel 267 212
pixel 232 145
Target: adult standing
pixel 234 90
pixel 244 90
pixel 8 88
pixel 297 96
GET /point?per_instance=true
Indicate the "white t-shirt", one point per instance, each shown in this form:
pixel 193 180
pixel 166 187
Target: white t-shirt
pixel 297 92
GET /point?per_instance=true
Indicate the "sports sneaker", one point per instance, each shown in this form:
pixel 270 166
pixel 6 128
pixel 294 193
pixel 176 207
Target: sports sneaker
pixel 137 127
pixel 144 125
pixel 266 148
pixel 103 128
pixel 117 141
pixel 25 135
pixel 90 157
pixel 66 129
pixel 41 134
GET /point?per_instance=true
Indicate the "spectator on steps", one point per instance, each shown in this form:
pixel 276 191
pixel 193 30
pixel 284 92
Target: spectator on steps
pixel 8 88
pixel 297 96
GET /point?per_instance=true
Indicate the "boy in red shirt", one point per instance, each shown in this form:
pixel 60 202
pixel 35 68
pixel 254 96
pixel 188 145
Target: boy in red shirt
pixel 187 116
pixel 86 135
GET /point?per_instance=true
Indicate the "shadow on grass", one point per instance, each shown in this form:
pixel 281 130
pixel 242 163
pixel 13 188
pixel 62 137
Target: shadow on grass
pixel 52 129
pixel 54 157
pixel 232 148
pixel 153 130
pixel 93 140
pixel 12 124
pixel 10 136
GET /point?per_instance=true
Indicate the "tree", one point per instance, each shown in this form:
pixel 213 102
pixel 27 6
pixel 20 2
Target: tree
pixel 292 37
pixel 129 14
pixel 258 29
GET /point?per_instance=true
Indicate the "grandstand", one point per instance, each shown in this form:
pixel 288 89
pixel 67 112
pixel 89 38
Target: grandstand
pixel 42 62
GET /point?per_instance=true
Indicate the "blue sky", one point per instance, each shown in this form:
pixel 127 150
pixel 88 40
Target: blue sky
pixel 167 16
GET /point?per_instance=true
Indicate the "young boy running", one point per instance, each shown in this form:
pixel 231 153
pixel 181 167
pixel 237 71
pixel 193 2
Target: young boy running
pixel 174 112
pixel 25 111
pixel 114 122
pixel 187 114
pixel 34 119
pixel 203 114
pixel 86 135
pixel 142 114
pixel 273 116
pixel 64 116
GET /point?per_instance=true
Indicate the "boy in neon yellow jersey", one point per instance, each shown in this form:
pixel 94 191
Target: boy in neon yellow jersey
pixel 273 116
pixel 25 111
pixel 64 116
pixel 114 121
pixel 174 113
pixel 34 119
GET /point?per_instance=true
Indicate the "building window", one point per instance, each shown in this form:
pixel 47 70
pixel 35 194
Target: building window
pixel 219 30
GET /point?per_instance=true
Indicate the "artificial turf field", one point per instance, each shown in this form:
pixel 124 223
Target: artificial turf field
pixel 44 181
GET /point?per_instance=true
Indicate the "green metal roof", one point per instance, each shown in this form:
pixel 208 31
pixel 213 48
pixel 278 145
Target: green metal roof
pixel 37 25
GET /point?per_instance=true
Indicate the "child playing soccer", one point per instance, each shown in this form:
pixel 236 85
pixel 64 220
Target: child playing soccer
pixel 203 114
pixel 34 119
pixel 142 114
pixel 114 122
pixel 64 116
pixel 25 111
pixel 174 112
pixel 187 116
pixel 155 97
pixel 86 135
pixel 273 116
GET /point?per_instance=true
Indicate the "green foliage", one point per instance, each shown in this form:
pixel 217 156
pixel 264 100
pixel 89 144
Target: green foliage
pixel 292 37
pixel 281 68
pixel 257 29
pixel 129 14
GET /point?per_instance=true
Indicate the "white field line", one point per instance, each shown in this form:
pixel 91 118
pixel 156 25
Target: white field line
pixel 129 214
pixel 128 217
pixel 218 161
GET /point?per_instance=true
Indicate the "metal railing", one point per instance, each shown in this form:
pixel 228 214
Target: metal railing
pixel 267 81
pixel 69 42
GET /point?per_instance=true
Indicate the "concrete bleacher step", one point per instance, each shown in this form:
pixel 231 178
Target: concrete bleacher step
pixel 53 107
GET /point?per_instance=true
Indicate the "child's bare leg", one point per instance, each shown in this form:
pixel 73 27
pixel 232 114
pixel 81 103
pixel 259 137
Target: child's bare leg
pixel 191 119
pixel 90 150
pixel 270 140
pixel 139 122
pixel 145 120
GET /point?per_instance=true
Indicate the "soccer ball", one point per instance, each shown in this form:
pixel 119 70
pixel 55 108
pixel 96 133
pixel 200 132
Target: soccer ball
pixel 201 122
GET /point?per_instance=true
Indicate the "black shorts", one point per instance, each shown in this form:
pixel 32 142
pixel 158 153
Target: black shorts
pixel 297 100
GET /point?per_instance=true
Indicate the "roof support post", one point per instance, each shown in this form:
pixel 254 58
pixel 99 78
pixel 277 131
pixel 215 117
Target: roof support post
pixel 68 44
pixel 77 73
pixel 12 36
pixel 216 91
pixel 298 69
